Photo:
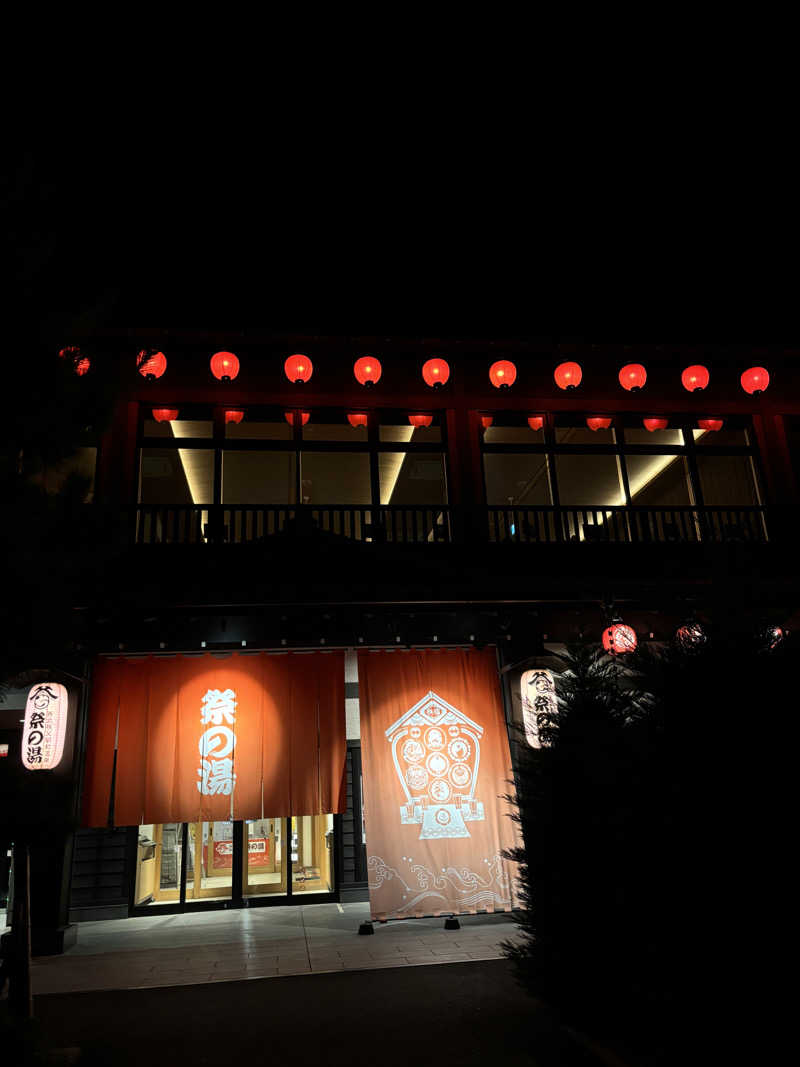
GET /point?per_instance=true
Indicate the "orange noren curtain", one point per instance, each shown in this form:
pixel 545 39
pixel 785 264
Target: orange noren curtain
pixel 216 737
pixel 437 768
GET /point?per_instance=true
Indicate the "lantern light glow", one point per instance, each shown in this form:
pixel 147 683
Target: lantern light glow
pixel 45 728
pixel 568 375
pixel 632 377
pixel 151 364
pixel 619 639
pixel 224 366
pixel 536 422
pixel 165 414
pixel 695 378
pixel 420 420
pixel 435 372
pixel 711 425
pixel 598 422
pixel 755 380
pixel 367 370
pixel 655 424
pixel 357 418
pixel 298 369
pixel 502 374
pixel 234 415
pixel 304 417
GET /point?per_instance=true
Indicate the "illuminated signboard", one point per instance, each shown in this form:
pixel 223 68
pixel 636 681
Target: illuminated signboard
pixel 45 726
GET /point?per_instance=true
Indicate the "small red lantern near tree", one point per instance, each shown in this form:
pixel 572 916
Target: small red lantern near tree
pixel 502 374
pixel 435 372
pixel 755 380
pixel 234 415
pixel 619 639
pixel 632 377
pixel 357 418
pixel 420 420
pixel 568 375
pixel 304 416
pixel 695 378
pixel 655 424
pixel 298 369
pixel 710 424
pixel 536 422
pixel 598 422
pixel 82 366
pixel 151 364
pixel 224 366
pixel 367 370
pixel 165 414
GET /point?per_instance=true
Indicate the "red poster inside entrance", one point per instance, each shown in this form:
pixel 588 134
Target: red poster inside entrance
pixel 257 853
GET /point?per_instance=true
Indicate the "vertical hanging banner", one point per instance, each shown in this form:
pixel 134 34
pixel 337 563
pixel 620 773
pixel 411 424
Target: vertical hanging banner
pixel 213 737
pixel 539 704
pixel 437 768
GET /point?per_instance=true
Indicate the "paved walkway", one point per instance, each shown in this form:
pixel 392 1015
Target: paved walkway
pixel 224 946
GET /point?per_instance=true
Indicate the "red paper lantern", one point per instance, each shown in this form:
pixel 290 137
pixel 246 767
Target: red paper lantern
pixel 357 418
pixel 298 369
pixel 435 372
pixel 367 370
pixel 655 424
pixel 165 414
pixel 695 378
pixel 619 639
pixel 151 364
pixel 755 380
pixel 486 421
pixel 598 422
pixel 304 417
pixel 82 366
pixel 568 375
pixel 233 415
pixel 632 377
pixel 502 374
pixel 536 422
pixel 224 366
pixel 420 420
pixel 710 424
pixel 691 636
pixel 71 352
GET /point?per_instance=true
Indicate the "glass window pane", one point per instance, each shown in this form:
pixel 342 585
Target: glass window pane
pixel 512 435
pixel 728 435
pixel 330 478
pixel 173 476
pixel 588 479
pixel 334 431
pixel 397 430
pixel 658 481
pixel 209 854
pixel 312 854
pixel 252 478
pixel 582 435
pixel 259 428
pixel 264 869
pixel 412 478
pixel 158 864
pixel 728 480
pixel 183 426
pixel 516 478
pixel 640 436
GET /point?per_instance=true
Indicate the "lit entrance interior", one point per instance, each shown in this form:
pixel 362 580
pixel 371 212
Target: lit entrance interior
pixel 182 863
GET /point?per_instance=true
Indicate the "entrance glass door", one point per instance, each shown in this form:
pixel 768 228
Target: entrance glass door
pixel 263 859
pixel 238 863
pixel 210 852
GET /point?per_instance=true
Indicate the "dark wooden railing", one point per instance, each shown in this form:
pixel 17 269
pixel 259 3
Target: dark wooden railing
pixel 547 525
pixel 228 524
pixel 195 524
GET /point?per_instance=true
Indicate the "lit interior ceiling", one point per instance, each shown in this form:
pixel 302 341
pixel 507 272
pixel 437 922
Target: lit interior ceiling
pixel 391 463
pixel 197 463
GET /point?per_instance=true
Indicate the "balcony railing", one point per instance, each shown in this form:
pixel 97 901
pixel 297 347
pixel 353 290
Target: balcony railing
pixel 546 525
pixel 194 524
pixel 229 524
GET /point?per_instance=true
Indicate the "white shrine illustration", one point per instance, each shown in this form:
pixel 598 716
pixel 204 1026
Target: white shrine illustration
pixel 436 751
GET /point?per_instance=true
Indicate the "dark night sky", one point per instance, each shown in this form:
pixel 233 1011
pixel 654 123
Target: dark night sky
pixel 121 240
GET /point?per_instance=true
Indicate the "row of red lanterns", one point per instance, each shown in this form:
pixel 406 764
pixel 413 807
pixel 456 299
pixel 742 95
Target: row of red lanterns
pixel 435 372
pixel 619 638
pixel 359 418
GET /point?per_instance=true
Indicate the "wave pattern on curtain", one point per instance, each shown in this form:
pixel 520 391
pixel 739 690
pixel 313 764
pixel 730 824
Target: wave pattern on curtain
pixel 437 769
pixel 214 737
